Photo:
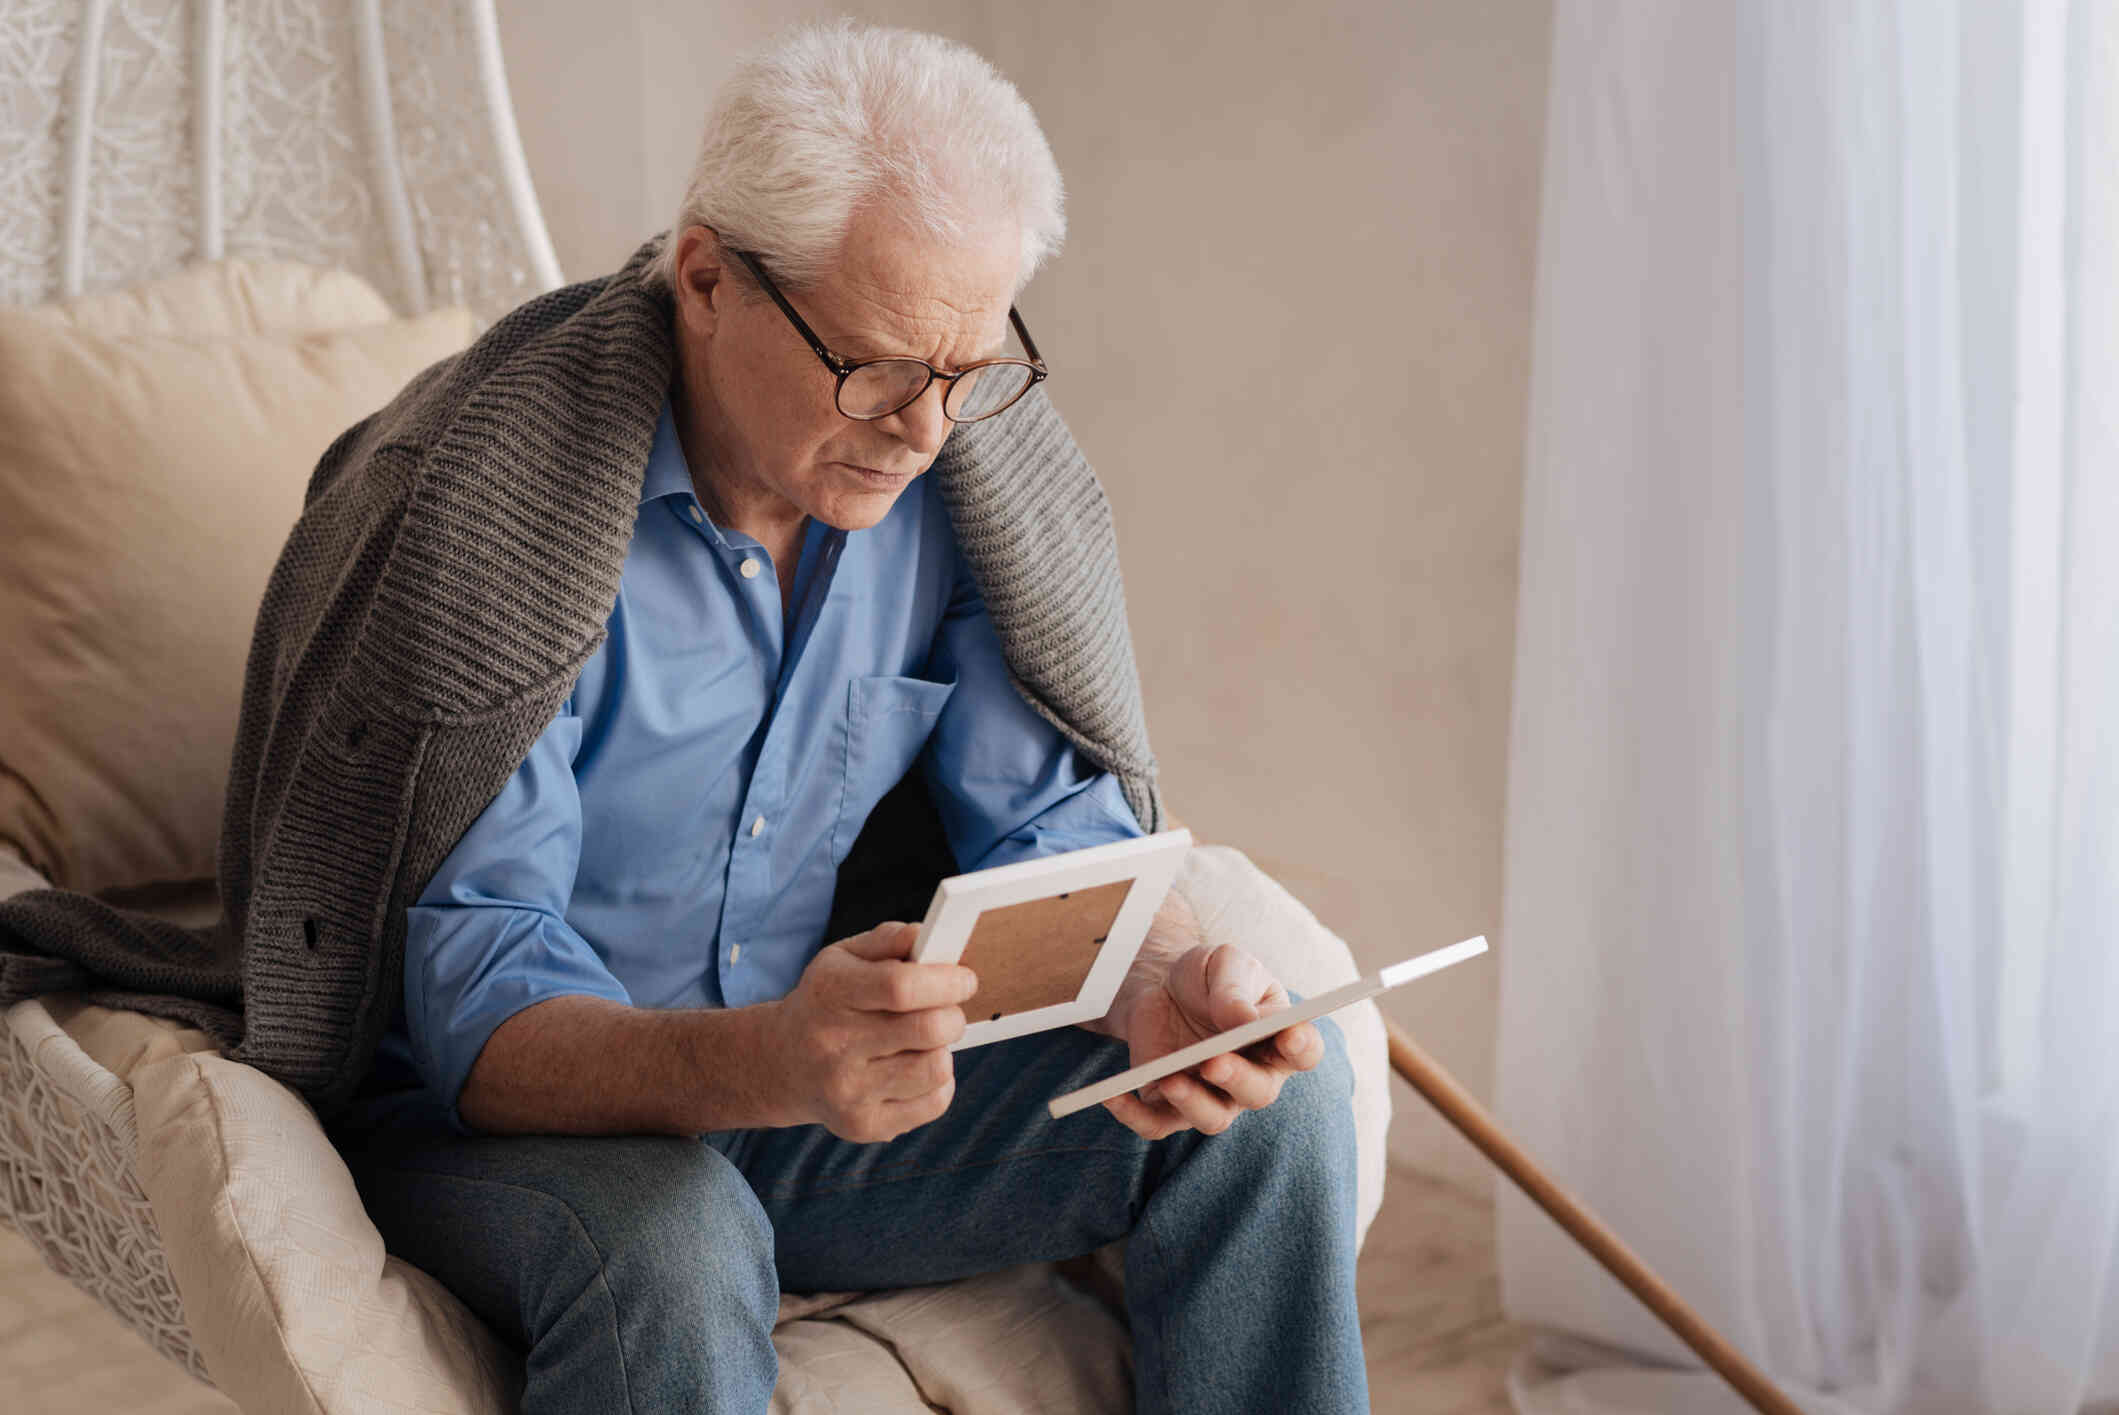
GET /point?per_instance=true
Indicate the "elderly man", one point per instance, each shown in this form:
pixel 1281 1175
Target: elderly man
pixel 634 1089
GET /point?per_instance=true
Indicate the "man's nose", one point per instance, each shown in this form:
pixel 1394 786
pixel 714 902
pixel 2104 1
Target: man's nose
pixel 921 424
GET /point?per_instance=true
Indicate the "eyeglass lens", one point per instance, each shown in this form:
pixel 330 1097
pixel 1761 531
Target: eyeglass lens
pixel 982 392
pixel 879 389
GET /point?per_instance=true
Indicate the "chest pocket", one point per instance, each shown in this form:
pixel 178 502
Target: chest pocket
pixel 888 720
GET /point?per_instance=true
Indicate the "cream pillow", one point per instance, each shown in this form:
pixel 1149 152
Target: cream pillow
pixel 146 487
pixel 287 1290
pixel 227 297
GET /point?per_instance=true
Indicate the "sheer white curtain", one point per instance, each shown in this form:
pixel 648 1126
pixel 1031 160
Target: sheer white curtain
pixel 1811 969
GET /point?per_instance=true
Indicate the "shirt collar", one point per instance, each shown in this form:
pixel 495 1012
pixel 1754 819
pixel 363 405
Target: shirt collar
pixel 667 472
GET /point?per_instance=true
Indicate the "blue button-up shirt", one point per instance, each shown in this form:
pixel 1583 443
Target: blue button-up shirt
pixel 673 838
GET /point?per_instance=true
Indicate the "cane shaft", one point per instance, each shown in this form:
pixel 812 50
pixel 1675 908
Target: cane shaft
pixel 1476 1125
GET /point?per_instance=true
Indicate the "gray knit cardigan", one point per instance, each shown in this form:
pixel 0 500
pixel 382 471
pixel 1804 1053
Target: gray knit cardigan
pixel 454 565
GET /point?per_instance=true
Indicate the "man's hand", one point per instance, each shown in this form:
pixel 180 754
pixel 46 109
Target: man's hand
pixel 864 1036
pixel 1207 989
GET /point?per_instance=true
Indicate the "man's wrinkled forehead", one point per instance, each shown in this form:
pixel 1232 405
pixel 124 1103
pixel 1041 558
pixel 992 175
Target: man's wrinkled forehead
pixel 892 285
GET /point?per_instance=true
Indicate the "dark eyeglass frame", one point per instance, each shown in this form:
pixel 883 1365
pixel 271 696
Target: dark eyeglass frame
pixel 843 368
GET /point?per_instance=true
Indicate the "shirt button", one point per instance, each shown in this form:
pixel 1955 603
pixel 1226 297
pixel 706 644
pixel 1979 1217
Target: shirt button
pixel 735 953
pixel 696 516
pixel 757 825
pixel 749 569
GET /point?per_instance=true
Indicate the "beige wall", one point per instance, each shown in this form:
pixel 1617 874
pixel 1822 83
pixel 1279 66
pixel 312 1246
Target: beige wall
pixel 1291 328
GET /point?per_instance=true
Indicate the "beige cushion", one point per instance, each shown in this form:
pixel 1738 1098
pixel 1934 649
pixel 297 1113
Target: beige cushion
pixel 1003 1343
pixel 286 1287
pixel 227 297
pixel 147 485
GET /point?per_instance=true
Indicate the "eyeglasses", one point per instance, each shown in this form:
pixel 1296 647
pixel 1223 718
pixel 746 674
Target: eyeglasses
pixel 870 389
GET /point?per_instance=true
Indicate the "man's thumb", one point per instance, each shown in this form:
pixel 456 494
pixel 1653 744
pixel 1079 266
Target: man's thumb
pixel 1230 1008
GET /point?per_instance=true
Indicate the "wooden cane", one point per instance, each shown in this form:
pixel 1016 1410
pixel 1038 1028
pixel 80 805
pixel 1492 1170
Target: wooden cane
pixel 1476 1125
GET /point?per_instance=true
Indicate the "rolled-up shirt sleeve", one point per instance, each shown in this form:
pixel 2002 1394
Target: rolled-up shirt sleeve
pixel 488 936
pixel 1007 784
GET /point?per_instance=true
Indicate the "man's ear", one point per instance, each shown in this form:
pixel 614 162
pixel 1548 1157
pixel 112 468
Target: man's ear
pixel 701 287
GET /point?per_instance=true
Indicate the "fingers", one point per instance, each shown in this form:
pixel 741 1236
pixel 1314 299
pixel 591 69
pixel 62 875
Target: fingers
pixel 878 1119
pixel 895 1117
pixel 910 1075
pixel 1184 1101
pixel 1197 1103
pixel 892 940
pixel 1300 1047
pixel 1253 1082
pixel 930 1029
pixel 1148 1122
pixel 1210 1097
pixel 1246 1083
pixel 1238 987
pixel 1219 986
pixel 892 985
pixel 1177 1103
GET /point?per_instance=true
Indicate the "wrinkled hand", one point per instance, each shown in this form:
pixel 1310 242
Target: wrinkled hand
pixel 863 1040
pixel 1207 990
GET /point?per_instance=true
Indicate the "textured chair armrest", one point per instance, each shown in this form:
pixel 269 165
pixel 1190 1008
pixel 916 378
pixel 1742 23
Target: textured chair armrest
pixel 68 1144
pixel 68 1141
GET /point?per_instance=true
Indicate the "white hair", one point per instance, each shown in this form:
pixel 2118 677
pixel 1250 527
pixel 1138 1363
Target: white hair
pixel 834 116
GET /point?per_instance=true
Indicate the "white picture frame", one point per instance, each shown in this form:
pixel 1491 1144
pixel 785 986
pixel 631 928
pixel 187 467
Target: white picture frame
pixel 1057 934
pixel 1272 1024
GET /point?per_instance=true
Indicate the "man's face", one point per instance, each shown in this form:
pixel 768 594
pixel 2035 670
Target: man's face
pixel 761 425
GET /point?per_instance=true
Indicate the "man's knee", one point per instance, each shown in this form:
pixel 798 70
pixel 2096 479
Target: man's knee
pixel 681 1231
pixel 646 1272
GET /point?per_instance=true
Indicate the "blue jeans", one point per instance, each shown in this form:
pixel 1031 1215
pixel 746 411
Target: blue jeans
pixel 642 1274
